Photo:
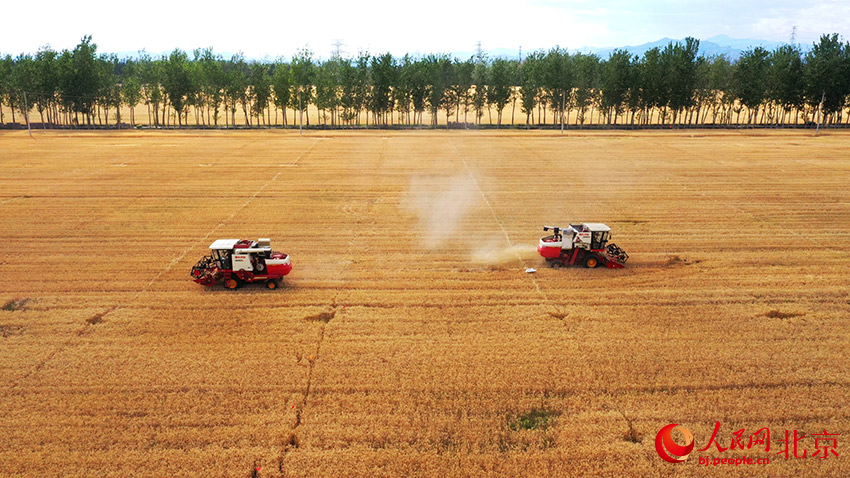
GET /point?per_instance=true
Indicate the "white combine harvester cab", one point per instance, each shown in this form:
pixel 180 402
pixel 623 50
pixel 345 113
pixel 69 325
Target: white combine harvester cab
pixel 585 243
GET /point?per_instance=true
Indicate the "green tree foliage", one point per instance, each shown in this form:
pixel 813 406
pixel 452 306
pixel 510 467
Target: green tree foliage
pixel 281 87
pixel 302 75
pixel 652 83
pixel 558 75
pixel 587 79
pixel 402 93
pixel 6 69
pixel 828 74
pixel 383 72
pixel 23 75
pixel 150 76
pixel 109 90
pixel 131 88
pixel 617 75
pixel 439 70
pixel 463 83
pixel 236 87
pixel 670 83
pixel 750 79
pixel 786 82
pixel 46 84
pixel 177 82
pixel 259 90
pixel 480 78
pixel 419 89
pixel 80 79
pixel 680 66
pixel 530 84
pixel 213 81
pixel 499 89
pixel 720 85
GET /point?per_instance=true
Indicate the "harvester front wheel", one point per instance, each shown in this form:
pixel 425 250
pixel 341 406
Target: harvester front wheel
pixel 231 284
pixel 591 262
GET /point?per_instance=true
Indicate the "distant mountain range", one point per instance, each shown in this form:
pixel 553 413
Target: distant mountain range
pixel 716 45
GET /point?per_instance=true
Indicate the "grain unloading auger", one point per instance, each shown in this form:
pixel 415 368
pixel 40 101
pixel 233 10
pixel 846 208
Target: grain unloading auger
pixel 236 261
pixel 585 243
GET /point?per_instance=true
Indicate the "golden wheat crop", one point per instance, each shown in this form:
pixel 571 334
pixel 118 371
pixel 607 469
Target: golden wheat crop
pixel 408 339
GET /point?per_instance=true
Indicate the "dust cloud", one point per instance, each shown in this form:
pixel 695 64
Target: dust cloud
pixel 441 203
pixel 496 253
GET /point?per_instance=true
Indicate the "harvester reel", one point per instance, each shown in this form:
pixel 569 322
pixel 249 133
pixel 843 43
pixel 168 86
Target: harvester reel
pixel 616 254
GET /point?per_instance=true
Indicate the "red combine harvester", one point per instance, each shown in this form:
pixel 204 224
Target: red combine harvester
pixel 235 261
pixel 581 244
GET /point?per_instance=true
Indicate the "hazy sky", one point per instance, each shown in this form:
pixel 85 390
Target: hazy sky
pixel 262 28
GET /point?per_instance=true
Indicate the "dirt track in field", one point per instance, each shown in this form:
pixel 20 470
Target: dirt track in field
pixel 408 339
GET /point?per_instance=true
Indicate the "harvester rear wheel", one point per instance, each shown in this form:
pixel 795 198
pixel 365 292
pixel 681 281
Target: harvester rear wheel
pixel 271 284
pixel 591 262
pixel 555 264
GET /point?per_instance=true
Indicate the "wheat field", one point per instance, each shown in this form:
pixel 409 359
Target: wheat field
pixel 408 339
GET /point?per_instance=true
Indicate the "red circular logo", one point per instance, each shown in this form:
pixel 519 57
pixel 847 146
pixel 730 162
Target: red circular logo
pixel 664 443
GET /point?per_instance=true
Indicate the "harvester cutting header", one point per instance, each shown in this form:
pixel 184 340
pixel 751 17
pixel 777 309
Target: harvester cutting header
pixel 585 243
pixel 235 261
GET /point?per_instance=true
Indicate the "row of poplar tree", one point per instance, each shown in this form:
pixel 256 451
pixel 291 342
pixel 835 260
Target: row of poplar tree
pixel 670 85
